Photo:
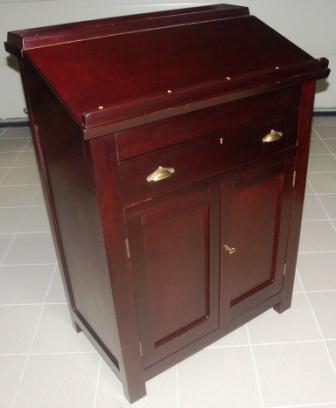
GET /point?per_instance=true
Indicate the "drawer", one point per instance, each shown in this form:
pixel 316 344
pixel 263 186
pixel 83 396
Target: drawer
pixel 271 108
pixel 208 155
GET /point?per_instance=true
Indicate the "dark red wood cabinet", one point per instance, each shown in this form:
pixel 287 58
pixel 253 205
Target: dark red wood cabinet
pixel 173 153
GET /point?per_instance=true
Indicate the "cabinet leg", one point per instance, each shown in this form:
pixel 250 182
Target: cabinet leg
pixel 133 381
pixel 73 322
pixel 284 305
pixel 133 392
pixel 76 327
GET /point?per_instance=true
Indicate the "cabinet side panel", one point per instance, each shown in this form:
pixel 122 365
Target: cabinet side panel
pixel 69 188
pixel 304 134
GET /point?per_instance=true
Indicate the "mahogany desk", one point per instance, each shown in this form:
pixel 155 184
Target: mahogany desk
pixel 173 151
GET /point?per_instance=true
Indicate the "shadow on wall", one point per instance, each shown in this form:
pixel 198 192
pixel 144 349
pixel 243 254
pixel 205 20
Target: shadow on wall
pixel 322 85
pixel 12 62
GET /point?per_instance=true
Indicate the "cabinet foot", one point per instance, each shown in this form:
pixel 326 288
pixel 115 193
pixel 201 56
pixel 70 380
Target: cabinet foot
pixel 135 391
pixel 76 327
pixel 283 306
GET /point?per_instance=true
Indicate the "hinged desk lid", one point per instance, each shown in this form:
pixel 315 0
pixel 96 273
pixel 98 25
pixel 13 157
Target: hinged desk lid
pixel 126 71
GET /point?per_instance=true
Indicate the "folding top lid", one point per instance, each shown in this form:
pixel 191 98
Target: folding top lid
pixel 115 70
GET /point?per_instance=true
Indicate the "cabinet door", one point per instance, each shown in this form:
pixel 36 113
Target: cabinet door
pixel 174 255
pixel 255 216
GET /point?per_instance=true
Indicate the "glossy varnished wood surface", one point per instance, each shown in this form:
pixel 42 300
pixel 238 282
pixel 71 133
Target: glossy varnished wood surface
pixel 255 115
pixel 127 88
pixel 83 30
pixel 70 189
pixel 227 144
pixel 147 275
pixel 304 135
pixel 255 210
pixel 174 250
pixel 128 82
pixel 101 154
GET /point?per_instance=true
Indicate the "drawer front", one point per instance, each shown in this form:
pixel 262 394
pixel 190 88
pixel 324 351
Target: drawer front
pixel 225 118
pixel 208 155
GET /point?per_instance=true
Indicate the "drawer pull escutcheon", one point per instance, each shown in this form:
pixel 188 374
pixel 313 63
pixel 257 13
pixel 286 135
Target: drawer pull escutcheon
pixel 160 173
pixel 272 136
pixel 231 251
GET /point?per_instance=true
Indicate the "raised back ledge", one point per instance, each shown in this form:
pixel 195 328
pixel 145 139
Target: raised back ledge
pixel 21 40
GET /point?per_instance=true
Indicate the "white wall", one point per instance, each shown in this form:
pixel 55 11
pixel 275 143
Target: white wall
pixel 308 23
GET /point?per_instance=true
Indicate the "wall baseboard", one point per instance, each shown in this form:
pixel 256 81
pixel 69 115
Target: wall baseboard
pixel 325 113
pixel 14 122
pixel 23 122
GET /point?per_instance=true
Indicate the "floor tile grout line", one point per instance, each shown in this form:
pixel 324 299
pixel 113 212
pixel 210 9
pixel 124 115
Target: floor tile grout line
pixel 316 219
pixel 8 128
pixel 284 343
pixel 33 339
pixel 320 291
pixel 313 405
pixel 275 343
pixel 319 154
pixel 44 298
pixel 20 167
pixel 30 232
pixel 33 304
pixel 21 185
pixel 18 229
pixel 4 175
pixel 13 137
pixel 319 329
pixel 233 346
pixel 56 353
pixel 321 172
pixel 20 152
pixel 29 264
pixel 21 206
pixel 320 194
pixel 95 395
pixel 319 201
pixel 323 207
pixel 255 368
pixel 14 151
pixel 327 251
pixel 313 189
pixel 325 145
pixel 324 125
pixel 5 154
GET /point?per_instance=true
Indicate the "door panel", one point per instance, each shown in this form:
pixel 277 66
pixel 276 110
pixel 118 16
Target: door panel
pixel 174 255
pixel 255 211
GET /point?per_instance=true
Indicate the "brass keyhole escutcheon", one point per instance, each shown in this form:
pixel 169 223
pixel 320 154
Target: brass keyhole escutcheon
pixel 228 249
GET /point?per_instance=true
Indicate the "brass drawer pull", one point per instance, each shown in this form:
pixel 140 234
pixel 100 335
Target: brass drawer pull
pixel 272 136
pixel 231 251
pixel 160 173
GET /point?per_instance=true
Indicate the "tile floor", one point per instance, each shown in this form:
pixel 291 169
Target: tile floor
pixel 276 360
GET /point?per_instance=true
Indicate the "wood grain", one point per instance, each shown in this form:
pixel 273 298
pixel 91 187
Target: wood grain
pixel 155 271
